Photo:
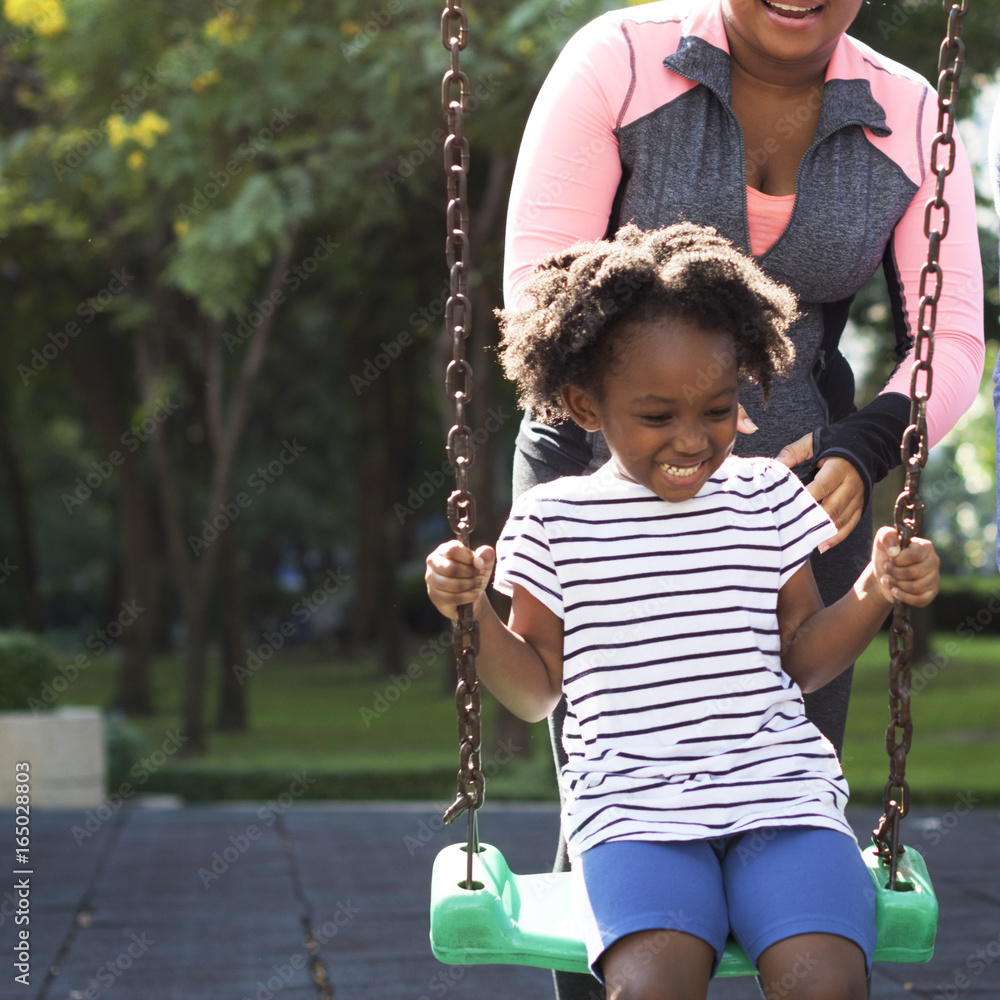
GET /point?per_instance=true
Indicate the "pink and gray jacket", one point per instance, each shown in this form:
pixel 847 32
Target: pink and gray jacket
pixel 634 123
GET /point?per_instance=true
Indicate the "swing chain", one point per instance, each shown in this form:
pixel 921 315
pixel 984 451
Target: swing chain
pixel 909 507
pixel 458 386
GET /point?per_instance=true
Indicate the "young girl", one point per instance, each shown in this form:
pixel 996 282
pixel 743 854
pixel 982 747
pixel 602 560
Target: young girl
pixel 669 597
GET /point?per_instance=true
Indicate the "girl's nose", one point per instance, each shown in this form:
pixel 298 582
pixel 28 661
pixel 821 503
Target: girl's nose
pixel 690 439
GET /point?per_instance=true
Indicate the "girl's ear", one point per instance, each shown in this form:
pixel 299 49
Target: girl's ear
pixel 581 408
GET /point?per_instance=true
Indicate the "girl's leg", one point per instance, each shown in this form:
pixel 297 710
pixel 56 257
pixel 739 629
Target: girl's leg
pixel 813 967
pixel 802 905
pixel 658 965
pixel 654 916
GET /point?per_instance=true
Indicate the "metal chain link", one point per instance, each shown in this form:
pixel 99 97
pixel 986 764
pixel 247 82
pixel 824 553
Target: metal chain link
pixel 461 447
pixel 909 507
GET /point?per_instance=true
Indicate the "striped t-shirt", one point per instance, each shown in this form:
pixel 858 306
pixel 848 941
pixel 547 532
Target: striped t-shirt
pixel 680 722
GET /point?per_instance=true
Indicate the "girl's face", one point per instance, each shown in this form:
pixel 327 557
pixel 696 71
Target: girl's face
pixel 668 409
pixel 798 34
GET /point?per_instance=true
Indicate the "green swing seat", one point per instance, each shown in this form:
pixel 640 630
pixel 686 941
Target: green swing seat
pixel 512 919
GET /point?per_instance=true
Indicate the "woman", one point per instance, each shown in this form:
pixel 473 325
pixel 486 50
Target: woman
pixel 803 147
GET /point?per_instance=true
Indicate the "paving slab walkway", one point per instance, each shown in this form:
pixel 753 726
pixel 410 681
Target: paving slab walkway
pixel 329 900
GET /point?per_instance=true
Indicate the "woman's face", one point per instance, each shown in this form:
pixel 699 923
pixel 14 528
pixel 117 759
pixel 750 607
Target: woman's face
pixel 787 35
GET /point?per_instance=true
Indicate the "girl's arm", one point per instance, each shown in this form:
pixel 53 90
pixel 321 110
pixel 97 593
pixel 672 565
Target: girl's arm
pixel 521 662
pixel 817 642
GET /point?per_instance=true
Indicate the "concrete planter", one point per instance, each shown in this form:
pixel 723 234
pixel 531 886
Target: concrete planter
pixel 65 749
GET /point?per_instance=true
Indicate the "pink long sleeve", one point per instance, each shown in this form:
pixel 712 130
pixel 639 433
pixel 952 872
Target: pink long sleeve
pixel 567 168
pixel 959 347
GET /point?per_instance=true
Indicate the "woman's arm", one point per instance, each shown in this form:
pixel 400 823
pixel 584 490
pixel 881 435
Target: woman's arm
pixel 817 642
pixel 521 662
pixel 959 326
pixel 568 167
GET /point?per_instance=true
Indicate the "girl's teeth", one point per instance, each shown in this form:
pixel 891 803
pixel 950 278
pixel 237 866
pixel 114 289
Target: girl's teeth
pixel 673 470
pixel 792 10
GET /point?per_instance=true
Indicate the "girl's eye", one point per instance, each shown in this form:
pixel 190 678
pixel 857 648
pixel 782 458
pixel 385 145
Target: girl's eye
pixel 721 413
pixel 655 418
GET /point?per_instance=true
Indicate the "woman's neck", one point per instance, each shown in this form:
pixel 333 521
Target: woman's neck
pixel 772 81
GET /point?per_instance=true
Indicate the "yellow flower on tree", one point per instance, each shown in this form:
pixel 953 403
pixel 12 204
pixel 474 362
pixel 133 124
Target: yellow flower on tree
pixel 149 128
pixel 118 131
pixel 228 29
pixel 136 159
pixel 206 79
pixel 46 17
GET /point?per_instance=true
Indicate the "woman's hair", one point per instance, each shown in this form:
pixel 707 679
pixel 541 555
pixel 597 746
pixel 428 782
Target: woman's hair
pixel 586 296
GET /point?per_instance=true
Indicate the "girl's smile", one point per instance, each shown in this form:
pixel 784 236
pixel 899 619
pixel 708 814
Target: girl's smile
pixel 668 407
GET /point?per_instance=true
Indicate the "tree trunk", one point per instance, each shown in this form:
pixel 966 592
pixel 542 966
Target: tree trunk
pixel 140 571
pixel 195 672
pixel 231 711
pixel 141 586
pixel 194 574
pixel 384 422
pixel 26 567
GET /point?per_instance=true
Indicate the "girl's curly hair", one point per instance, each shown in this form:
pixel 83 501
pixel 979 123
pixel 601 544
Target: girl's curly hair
pixel 586 295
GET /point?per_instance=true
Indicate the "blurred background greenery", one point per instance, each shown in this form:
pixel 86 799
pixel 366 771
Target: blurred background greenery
pixel 221 393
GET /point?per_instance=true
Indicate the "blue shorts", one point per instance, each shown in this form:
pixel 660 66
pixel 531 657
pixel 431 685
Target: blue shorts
pixel 761 886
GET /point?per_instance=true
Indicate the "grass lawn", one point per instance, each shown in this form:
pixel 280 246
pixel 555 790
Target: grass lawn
pixel 956 722
pixel 361 735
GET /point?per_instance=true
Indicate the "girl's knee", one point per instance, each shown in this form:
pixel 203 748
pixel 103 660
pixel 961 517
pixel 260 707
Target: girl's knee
pixel 814 967
pixel 658 965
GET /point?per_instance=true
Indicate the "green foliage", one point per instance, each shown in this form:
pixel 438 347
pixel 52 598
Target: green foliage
pixel 959 488
pixel 124 743
pixel 308 717
pixel 26 663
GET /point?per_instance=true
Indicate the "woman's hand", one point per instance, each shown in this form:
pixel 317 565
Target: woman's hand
pixel 837 487
pixel 911 575
pixel 455 575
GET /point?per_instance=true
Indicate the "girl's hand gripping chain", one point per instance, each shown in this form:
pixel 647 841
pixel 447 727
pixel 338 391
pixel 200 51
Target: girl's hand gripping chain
pixel 911 575
pixel 456 575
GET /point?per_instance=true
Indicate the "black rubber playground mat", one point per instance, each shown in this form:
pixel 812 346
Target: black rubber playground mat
pixel 243 902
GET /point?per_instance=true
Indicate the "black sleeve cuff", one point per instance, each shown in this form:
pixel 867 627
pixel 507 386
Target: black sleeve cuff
pixel 870 438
